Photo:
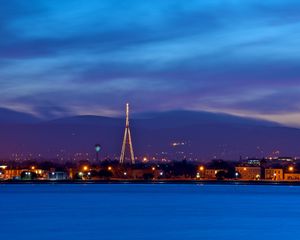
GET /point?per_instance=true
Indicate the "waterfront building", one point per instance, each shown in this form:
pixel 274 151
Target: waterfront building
pixel 292 176
pixel 249 173
pixel 275 174
pixel 152 173
pixel 28 175
pixel 57 176
pixel 12 173
pixel 211 173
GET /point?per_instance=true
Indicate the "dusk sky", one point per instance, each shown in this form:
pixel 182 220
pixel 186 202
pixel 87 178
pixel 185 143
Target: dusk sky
pixel 70 57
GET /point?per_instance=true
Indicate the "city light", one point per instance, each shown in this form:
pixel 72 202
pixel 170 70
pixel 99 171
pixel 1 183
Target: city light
pixel 291 168
pixel 201 168
pixel 85 168
pixel 109 168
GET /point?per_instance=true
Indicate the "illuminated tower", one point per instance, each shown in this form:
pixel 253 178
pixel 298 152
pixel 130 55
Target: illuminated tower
pixel 127 139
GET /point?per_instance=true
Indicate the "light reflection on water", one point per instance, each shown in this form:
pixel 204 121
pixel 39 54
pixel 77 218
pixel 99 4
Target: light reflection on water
pixel 128 211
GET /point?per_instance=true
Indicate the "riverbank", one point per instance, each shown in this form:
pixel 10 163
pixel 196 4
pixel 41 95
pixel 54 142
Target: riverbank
pixel 124 181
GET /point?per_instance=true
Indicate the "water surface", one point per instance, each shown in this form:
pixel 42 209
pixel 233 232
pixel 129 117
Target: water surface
pixel 149 211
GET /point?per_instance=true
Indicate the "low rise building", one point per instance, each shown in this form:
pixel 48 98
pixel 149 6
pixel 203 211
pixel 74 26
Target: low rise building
pixel 211 173
pixel 28 175
pixel 57 176
pixel 275 174
pixel 254 162
pixel 12 173
pixel 292 176
pixel 249 173
pixel 145 173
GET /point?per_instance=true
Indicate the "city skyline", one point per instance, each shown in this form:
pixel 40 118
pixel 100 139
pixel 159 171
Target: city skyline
pixel 70 58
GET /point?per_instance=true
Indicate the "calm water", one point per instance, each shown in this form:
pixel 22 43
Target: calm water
pixel 149 212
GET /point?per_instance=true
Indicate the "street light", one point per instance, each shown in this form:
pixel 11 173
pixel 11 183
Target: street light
pixel 85 168
pixel 291 168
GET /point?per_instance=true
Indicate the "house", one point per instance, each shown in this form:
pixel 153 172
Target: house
pixel 249 173
pixel 292 176
pixel 275 174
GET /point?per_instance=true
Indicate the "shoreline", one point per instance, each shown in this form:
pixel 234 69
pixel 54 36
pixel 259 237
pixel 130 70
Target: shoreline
pixel 124 181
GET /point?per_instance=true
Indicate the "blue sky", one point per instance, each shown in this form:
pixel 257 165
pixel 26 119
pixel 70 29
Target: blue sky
pixel 61 58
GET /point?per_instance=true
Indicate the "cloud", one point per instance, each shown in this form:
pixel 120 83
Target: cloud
pixel 70 57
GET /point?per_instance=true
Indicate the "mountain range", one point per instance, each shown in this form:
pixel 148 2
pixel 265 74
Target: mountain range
pixel 173 134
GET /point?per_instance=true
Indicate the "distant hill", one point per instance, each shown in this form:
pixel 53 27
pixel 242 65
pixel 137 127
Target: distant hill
pixel 188 118
pixel 8 116
pixel 201 135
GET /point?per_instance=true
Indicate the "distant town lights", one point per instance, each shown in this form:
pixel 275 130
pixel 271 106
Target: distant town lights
pixel 175 144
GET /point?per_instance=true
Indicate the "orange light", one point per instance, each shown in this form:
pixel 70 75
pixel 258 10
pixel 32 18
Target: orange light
pixel 33 167
pixel 245 169
pixel 291 168
pixel 153 168
pixel 85 168
pixel 201 168
pixel 109 168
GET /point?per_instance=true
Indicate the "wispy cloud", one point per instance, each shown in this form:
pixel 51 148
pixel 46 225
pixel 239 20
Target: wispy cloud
pixel 76 57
